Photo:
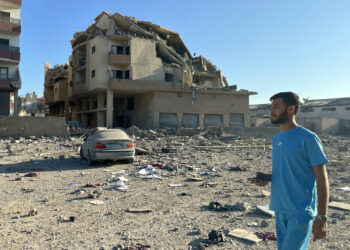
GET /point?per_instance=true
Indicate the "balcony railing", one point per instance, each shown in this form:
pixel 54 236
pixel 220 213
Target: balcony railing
pixel 12 77
pixel 9 52
pixel 81 63
pixel 9 48
pixel 10 19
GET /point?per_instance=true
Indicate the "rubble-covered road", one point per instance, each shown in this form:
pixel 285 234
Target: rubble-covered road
pixel 172 197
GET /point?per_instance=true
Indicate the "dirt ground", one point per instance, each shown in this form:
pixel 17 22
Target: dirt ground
pixel 53 210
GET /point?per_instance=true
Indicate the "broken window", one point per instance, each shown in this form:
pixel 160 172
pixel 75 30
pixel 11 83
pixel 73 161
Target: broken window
pixel 169 77
pixel 93 50
pixel 127 50
pixel 92 73
pixel 127 74
pixel 131 103
pixel 119 74
pixel 196 79
pixel 120 50
pixel 329 109
pixel 94 105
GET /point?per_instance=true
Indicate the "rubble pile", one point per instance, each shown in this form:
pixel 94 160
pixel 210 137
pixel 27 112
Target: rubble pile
pixel 181 192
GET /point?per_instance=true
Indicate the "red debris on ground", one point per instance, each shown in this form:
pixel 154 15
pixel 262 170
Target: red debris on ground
pixel 157 164
pixel 267 236
pixel 93 185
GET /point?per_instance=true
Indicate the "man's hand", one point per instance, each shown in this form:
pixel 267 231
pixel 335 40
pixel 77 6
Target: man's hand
pixel 319 229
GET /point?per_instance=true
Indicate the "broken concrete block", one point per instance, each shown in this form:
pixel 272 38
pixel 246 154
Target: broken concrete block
pixel 265 210
pixel 339 205
pixel 244 235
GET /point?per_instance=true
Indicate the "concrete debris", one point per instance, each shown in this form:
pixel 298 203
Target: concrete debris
pixel 245 235
pixel 221 196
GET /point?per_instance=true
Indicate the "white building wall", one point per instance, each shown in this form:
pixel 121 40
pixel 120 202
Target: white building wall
pixel 340 113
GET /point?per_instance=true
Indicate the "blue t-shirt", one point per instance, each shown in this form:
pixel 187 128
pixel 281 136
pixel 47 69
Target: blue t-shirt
pixel 293 183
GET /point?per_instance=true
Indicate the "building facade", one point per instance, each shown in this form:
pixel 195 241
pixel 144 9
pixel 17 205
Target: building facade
pixel 57 90
pixel 338 108
pixel 126 72
pixel 31 105
pixel 10 79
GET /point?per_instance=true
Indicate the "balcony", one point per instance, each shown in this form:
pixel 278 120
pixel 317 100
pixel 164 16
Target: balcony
pixel 79 87
pixel 13 4
pixel 9 53
pixel 80 64
pixel 10 25
pixel 10 82
pixel 119 59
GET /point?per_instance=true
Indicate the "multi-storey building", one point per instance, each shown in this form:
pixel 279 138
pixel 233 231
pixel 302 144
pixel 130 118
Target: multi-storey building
pixel 10 80
pixel 125 72
pixel 57 89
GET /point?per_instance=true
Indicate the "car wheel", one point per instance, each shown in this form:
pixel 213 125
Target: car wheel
pixel 90 161
pixel 81 153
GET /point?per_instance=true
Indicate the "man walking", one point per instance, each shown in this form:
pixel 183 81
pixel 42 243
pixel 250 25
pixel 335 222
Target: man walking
pixel 298 164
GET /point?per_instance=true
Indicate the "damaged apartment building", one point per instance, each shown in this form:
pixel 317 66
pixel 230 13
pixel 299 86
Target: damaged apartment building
pixel 127 72
pixel 57 90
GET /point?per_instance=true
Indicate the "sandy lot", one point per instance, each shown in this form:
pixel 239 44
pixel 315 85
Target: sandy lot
pixel 53 210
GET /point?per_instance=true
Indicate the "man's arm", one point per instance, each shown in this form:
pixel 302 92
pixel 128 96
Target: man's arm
pixel 319 227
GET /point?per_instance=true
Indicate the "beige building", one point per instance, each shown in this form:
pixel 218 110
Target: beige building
pixel 10 80
pixel 57 90
pixel 127 72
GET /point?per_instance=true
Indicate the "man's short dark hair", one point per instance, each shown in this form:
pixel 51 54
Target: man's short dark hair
pixel 289 98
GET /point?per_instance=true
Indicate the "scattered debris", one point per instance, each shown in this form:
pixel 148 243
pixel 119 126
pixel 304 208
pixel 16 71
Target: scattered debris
pixel 339 205
pixel 215 237
pixel 97 202
pixel 265 210
pixel 267 236
pixel 33 212
pixel 119 185
pixel 344 189
pixel 175 185
pixel 96 193
pixel 93 185
pixel 66 219
pixel 31 175
pixel 244 235
pixel 139 210
pixel 265 193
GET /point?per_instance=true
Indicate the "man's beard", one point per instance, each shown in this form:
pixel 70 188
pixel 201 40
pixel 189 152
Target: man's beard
pixel 282 118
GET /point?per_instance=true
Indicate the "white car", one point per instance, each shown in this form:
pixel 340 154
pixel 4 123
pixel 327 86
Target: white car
pixel 107 144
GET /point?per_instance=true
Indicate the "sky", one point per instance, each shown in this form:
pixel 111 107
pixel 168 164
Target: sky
pixel 265 46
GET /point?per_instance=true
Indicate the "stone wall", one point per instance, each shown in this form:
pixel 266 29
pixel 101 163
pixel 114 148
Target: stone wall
pixel 33 126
